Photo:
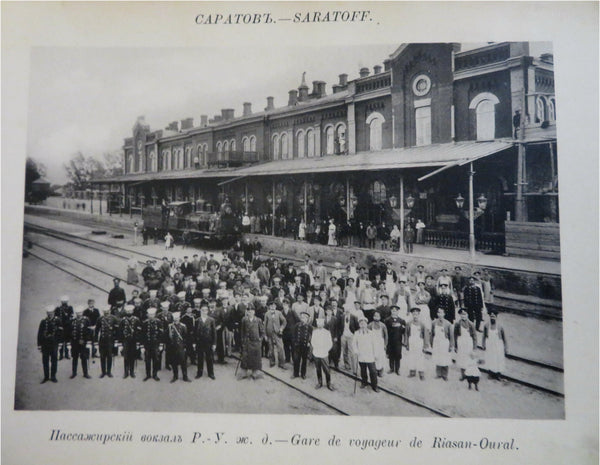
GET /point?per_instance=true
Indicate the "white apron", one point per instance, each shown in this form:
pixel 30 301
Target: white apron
pixel 464 347
pixel 350 299
pixel 380 356
pixel 440 353
pixel 494 351
pixel 415 359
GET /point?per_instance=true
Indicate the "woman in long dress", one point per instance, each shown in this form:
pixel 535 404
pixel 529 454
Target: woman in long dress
pixel 494 344
pixel 422 298
pixel 302 230
pixel 442 343
pixel 416 342
pixel 331 233
pixel 381 340
pixel 465 341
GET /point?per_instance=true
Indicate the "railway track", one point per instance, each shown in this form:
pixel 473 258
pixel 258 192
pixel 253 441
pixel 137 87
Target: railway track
pixel 106 248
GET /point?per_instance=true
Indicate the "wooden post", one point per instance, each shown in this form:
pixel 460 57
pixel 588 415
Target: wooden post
pixel 401 245
pixel 273 210
pixel 100 197
pixel 348 199
pixel 471 213
pixel 246 202
pixel 305 201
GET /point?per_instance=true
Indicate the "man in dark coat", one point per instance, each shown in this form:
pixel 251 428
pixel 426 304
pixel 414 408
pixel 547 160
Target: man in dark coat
pixel 473 301
pixel 332 323
pixel 106 332
pixel 187 269
pixel 445 300
pixel 64 312
pixel 189 320
pixel 396 328
pixel 178 342
pixel 92 314
pixel 252 334
pixel 80 334
pixel 206 338
pixel 47 341
pixel 152 334
pixel 291 320
pixel 116 294
pixel 130 327
pixel 301 344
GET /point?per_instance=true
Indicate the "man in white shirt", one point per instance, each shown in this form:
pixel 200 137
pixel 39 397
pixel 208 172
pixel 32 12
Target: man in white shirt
pixel 364 348
pixel 321 345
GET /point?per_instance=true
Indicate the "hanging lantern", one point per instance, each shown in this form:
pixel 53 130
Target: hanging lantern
pixel 278 199
pixel 460 201
pixel 410 201
pixel 243 197
pixel 311 200
pixel 270 198
pixel 393 201
pixel 250 198
pixel 482 202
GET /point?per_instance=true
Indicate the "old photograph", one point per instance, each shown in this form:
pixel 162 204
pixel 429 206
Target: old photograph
pixel 364 230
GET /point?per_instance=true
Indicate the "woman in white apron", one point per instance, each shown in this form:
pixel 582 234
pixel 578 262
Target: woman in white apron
pixel 401 299
pixel 390 280
pixel 350 295
pixel 422 298
pixel 380 337
pixel 442 343
pixel 465 341
pixel 494 344
pixel 416 335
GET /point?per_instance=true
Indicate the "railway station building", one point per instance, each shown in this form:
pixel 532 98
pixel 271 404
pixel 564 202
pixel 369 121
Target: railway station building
pixel 464 141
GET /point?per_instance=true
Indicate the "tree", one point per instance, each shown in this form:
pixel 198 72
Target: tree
pixel 33 171
pixel 81 170
pixel 113 163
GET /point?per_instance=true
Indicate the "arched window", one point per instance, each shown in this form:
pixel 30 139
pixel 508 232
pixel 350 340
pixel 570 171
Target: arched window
pixel 168 159
pixel 340 138
pixel 551 109
pixel 226 146
pixel 485 110
pixel 275 146
pixel 540 109
pixel 284 147
pixel 423 125
pixel 253 144
pixel 310 143
pixel 219 147
pixel 232 145
pixel 140 161
pixel 375 122
pixel 199 160
pixel 246 144
pixel 131 164
pixel 377 192
pixel 329 141
pixel 301 148
pixel 188 156
pixel 163 160
pixel 152 161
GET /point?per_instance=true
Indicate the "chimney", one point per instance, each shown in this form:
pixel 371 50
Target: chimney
pixel 187 123
pixel 173 126
pixel 336 88
pixel 315 90
pixel 321 92
pixel 217 118
pixel 387 65
pixel 227 113
pixel 364 72
pixel 203 121
pixel 343 79
pixel 376 69
pixel 270 103
pixel 303 93
pixel 547 58
pixel 247 109
pixel 293 99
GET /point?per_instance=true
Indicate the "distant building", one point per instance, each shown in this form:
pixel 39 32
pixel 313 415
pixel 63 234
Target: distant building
pixel 410 129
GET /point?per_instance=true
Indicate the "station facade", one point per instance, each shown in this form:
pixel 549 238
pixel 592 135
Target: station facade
pixel 456 139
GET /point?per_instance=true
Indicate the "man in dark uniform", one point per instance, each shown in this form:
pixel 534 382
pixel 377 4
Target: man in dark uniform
pixel 129 329
pixel 116 294
pixel 384 309
pixel 153 301
pixel 178 341
pixel 47 341
pixel 301 343
pixel 92 314
pixel 152 333
pixel 189 320
pixel 473 301
pixel 165 317
pixel 106 331
pixel 147 272
pixel 65 313
pixel 217 313
pixel 396 328
pixel 80 334
pixel 205 335
pixel 186 267
pixel 287 337
pixel 445 300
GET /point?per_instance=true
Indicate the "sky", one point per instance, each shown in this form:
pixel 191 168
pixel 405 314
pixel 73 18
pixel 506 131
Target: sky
pixel 88 99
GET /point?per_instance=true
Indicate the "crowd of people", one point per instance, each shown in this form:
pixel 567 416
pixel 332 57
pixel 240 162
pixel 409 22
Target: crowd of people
pixel 363 319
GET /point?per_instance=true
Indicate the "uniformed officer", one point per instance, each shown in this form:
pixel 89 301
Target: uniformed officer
pixel 165 317
pixel 116 294
pixel 205 336
pixel 152 333
pixel 152 302
pixel 189 320
pixel 49 334
pixel 65 313
pixel 106 330
pixel 129 330
pixel 301 342
pixel 80 334
pixel 178 342
pixel 92 314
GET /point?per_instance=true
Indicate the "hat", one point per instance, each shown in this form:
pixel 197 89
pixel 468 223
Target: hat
pixel 176 315
pixel 193 284
pixel 79 309
pixel 205 290
pixel 49 309
pixel 337 264
pixel 153 292
pixel 362 318
pixel 420 266
pixel 395 307
pixel 402 280
pixel 384 295
pixel 64 298
pixel 129 308
pixel 151 311
pixel 415 309
pixel 444 284
pixel 462 310
pixel 304 313
pixel 181 295
pixel 420 282
pixel 444 269
pixel 321 320
pixel 165 305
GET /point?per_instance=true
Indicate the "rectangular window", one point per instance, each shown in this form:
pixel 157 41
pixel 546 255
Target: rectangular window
pixel 423 125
